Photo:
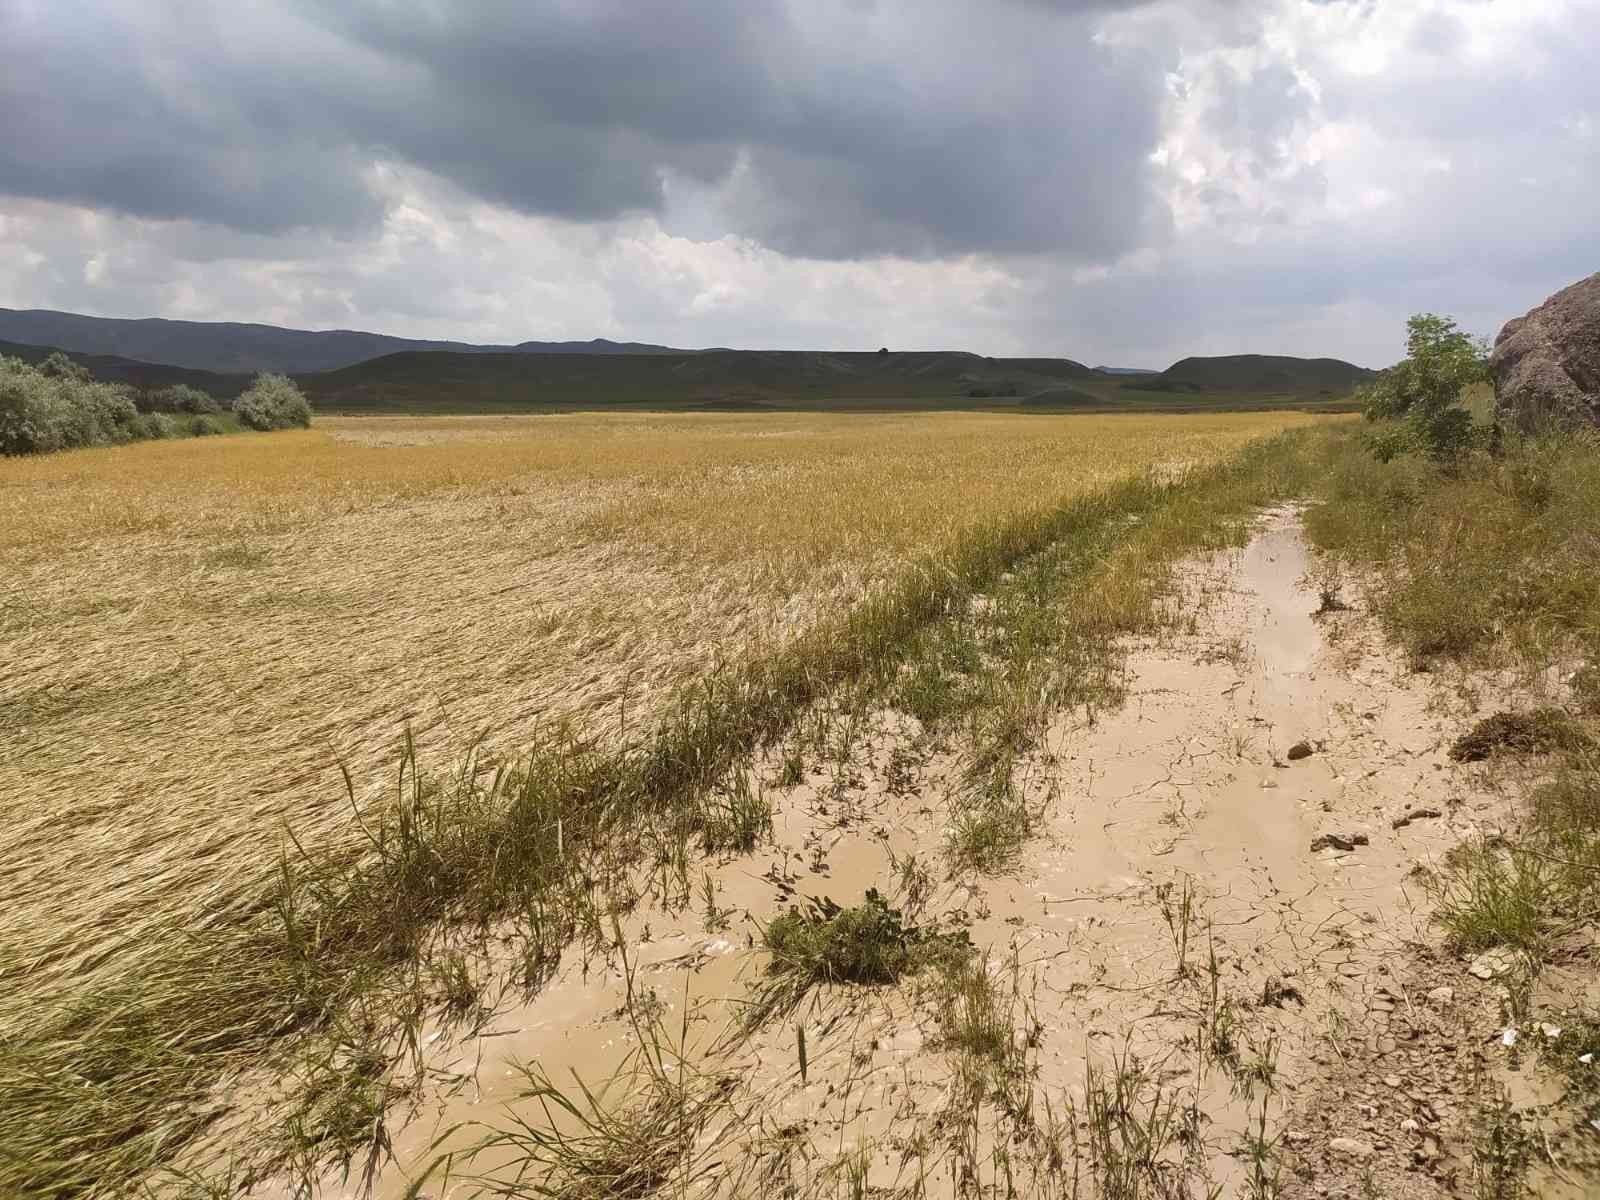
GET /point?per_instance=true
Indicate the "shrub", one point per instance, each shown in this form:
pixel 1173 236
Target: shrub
pixel 1419 399
pixel 204 427
pixel 43 411
pixel 273 402
pixel 179 398
pixel 58 366
pixel 154 426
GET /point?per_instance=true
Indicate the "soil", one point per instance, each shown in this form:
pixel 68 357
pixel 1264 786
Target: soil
pixel 1173 877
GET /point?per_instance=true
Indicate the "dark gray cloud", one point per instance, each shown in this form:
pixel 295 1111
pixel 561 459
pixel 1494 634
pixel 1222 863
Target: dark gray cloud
pixel 827 129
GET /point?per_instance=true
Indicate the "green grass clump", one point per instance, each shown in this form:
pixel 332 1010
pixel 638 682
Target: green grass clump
pixel 1491 895
pixel 868 944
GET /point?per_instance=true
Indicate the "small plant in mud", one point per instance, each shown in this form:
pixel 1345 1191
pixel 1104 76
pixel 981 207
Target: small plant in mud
pixel 823 944
pixel 339 1113
pixel 1330 589
pixel 736 816
pixel 1502 1150
pixel 914 882
pixel 1178 911
pixel 1135 1131
pixel 978 1024
pixel 1490 894
pixel 991 823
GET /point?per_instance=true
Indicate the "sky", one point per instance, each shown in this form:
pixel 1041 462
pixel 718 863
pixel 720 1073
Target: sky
pixel 1117 181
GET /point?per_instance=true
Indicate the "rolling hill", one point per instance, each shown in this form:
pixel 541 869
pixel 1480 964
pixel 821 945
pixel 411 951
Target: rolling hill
pixel 443 382
pixel 1270 373
pixel 232 348
pixel 569 375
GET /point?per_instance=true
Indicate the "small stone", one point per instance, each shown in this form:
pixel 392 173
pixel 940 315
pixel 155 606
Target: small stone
pixel 1296 1137
pixel 1350 1148
pixel 1300 750
pixel 1391 1081
pixel 1339 841
pixel 1442 995
pixel 1491 963
pixel 1410 1125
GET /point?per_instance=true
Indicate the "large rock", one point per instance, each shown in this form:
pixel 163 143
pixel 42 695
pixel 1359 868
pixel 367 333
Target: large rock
pixel 1546 365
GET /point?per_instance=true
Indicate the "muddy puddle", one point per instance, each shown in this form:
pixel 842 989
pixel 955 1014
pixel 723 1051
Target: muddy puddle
pixel 1171 919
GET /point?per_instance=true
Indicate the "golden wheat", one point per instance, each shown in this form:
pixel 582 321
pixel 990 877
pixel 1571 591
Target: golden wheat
pixel 194 634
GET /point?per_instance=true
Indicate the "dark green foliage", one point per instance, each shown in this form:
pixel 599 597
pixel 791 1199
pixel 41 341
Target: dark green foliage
pixel 179 398
pixel 867 944
pixel 1417 401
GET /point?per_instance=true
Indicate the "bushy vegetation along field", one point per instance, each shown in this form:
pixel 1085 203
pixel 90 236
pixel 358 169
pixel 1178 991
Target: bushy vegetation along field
pixel 197 634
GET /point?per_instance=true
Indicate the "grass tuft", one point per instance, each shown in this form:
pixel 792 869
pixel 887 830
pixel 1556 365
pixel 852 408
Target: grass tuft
pixel 869 944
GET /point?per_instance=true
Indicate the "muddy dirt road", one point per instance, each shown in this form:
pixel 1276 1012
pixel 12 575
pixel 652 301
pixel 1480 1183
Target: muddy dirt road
pixel 1220 916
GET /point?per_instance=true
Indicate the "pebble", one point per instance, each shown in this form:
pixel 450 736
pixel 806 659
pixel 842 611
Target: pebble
pixel 1350 1148
pixel 1410 1125
pixel 1442 995
pixel 1339 841
pixel 1391 1081
pixel 1492 963
pixel 1299 750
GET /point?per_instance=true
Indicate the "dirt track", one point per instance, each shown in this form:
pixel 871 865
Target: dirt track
pixel 1174 880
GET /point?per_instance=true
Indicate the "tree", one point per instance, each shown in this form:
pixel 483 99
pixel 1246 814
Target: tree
pixel 1421 395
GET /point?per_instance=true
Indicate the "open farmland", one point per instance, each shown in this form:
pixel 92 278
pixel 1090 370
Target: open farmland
pixel 198 634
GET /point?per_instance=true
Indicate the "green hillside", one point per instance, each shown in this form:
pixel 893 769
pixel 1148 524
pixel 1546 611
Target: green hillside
pixel 1269 373
pixel 438 382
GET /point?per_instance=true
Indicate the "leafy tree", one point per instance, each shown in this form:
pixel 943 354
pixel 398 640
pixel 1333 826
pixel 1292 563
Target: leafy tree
pixel 1419 398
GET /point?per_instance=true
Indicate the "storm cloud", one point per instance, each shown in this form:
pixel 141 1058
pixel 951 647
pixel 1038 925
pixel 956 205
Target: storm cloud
pixel 831 130
pixel 1128 180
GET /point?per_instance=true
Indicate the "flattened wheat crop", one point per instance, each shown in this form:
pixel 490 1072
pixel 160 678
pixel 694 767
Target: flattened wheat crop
pixel 194 634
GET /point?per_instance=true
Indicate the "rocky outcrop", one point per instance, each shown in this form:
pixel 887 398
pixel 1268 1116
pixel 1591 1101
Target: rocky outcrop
pixel 1546 365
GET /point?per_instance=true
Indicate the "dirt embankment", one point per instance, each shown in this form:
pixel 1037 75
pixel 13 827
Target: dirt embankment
pixel 1214 966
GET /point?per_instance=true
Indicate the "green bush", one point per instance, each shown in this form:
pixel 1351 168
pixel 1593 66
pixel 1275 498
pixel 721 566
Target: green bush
pixel 1417 402
pixel 273 402
pixel 204 427
pixel 46 410
pixel 179 398
pixel 58 366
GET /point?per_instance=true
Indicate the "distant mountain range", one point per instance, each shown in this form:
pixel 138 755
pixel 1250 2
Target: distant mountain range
pixel 350 371
pixel 229 347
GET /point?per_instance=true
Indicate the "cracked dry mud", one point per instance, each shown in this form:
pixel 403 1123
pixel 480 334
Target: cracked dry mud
pixel 1172 877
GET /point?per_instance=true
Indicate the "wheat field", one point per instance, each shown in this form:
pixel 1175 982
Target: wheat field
pixel 194 635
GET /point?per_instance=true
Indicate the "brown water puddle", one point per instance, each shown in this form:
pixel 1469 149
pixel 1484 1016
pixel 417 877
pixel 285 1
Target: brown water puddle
pixel 1187 789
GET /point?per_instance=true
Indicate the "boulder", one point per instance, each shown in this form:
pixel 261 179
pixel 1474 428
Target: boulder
pixel 1546 365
